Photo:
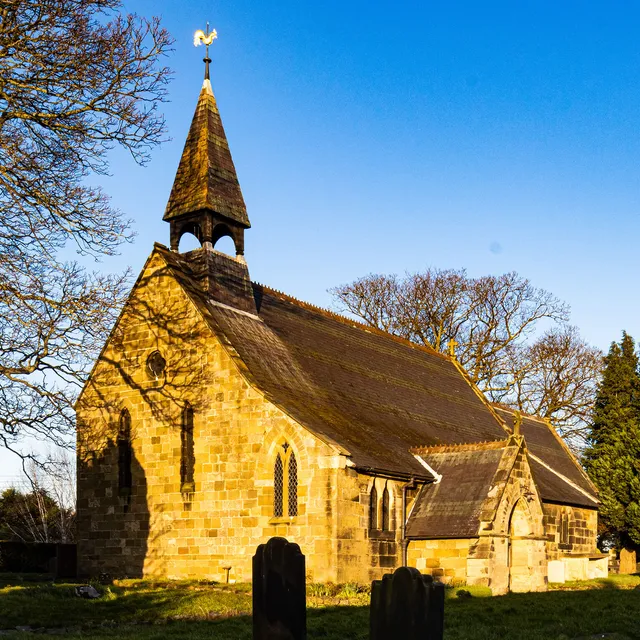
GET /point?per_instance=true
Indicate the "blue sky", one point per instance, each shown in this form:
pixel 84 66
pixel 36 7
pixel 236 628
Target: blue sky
pixel 388 137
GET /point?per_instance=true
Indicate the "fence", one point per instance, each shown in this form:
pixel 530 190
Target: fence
pixel 39 557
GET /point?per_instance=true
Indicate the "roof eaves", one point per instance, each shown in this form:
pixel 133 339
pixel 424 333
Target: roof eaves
pixel 393 475
pixel 569 482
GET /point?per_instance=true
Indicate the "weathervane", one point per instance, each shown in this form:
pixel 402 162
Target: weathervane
pixel 200 37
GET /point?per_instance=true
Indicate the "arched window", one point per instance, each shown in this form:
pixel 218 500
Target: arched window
pixel 285 482
pixel 373 508
pixel 385 510
pixel 292 485
pixel 124 453
pixel 278 487
pixel 564 528
pixel 187 458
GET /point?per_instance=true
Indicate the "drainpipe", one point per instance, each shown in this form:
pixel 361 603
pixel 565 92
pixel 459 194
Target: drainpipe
pixel 405 543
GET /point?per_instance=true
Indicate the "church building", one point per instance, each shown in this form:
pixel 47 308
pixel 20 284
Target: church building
pixel 222 412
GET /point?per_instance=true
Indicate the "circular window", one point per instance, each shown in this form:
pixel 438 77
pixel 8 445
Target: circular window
pixel 156 364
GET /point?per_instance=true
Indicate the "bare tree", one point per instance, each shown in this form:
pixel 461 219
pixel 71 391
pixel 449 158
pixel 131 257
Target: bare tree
pixel 493 320
pixel 556 377
pixel 77 77
pixel 60 485
pixel 43 507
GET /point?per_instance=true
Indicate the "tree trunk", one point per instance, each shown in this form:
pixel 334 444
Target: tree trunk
pixel 627 560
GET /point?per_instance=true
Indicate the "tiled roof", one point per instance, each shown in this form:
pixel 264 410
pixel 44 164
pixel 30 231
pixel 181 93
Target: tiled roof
pixel 373 395
pixel 543 442
pixel 378 398
pixel 451 508
pixel 553 488
pixel 206 176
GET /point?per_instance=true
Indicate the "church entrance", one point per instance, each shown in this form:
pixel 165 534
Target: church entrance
pixel 521 548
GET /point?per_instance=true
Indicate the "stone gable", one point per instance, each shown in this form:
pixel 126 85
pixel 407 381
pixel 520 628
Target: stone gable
pixel 162 531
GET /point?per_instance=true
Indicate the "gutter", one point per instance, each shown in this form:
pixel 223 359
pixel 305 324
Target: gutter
pixel 393 475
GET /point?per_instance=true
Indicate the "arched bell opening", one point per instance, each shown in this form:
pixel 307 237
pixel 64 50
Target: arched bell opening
pixel 190 238
pixel 227 240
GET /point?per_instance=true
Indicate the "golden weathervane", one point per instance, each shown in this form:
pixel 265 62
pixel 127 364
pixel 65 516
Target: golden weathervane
pixel 200 37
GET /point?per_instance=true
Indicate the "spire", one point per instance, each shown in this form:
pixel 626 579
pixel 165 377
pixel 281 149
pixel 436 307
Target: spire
pixel 206 199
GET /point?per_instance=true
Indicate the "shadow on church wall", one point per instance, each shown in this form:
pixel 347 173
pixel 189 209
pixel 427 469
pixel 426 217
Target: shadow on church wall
pixel 113 524
pixel 120 534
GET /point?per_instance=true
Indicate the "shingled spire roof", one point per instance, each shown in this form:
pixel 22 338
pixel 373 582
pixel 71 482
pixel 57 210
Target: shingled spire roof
pixel 206 177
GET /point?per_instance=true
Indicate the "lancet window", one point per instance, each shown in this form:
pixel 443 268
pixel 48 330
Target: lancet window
pixel 125 454
pixel 373 508
pixel 564 528
pixel 187 457
pixel 285 483
pixel 385 510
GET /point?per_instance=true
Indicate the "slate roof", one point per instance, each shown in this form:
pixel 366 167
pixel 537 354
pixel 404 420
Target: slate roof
pixel 451 508
pixel 372 395
pixel 553 488
pixel 543 442
pixel 206 176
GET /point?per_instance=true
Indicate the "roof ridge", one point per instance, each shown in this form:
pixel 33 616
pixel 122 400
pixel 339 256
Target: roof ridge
pixel 504 407
pixel 453 448
pixel 349 321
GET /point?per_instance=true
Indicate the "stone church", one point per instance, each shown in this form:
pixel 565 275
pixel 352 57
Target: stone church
pixel 222 412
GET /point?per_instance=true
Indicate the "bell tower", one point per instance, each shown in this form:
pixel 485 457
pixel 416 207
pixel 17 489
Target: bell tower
pixel 206 199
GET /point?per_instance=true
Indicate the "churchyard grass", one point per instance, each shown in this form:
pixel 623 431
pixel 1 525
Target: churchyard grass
pixel 150 610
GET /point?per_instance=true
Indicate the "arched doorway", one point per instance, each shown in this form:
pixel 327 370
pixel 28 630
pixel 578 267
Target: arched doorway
pixel 522 547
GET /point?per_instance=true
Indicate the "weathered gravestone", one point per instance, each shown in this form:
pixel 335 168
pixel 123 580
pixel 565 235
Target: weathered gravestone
pixel 279 597
pixel 407 606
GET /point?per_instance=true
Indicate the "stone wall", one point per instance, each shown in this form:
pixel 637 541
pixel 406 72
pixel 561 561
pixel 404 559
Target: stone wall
pixel 445 560
pixel 366 554
pixel 571 543
pixel 581 527
pixel 158 529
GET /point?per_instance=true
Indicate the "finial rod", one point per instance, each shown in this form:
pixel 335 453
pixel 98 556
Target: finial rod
pixel 200 37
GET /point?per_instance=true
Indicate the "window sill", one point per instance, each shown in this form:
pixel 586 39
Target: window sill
pixel 379 534
pixel 283 520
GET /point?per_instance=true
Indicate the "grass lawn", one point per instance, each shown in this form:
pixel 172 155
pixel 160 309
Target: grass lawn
pixel 149 610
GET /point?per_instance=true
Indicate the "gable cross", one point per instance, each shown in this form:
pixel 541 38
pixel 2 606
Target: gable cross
pixel 452 344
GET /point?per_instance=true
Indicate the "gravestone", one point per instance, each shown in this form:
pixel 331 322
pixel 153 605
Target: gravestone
pixel 406 605
pixel 279 596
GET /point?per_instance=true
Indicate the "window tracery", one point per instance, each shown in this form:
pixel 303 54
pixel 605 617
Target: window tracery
pixel 285 483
